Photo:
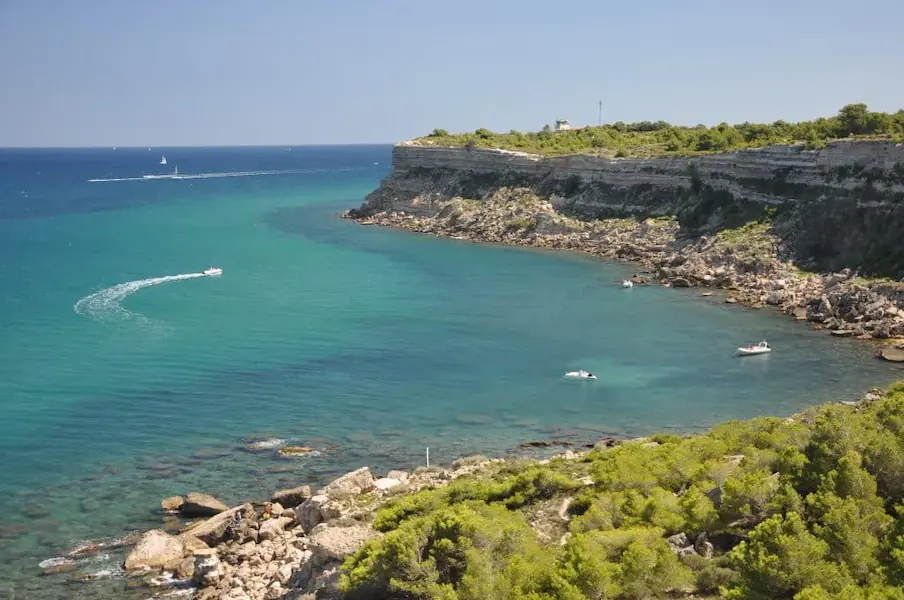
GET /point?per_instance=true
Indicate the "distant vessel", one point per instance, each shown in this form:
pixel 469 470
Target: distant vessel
pixel 162 160
pixel 173 175
pixel 627 283
pixel 761 348
pixel 211 271
pixel 582 374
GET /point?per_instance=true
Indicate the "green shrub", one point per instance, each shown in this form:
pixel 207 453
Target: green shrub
pixel 816 501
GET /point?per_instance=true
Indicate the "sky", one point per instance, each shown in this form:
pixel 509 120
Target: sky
pixel 244 72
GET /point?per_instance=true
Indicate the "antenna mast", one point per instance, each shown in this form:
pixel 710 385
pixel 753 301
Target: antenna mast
pixel 601 114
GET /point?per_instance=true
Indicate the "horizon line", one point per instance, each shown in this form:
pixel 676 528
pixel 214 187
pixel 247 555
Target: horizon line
pixel 108 147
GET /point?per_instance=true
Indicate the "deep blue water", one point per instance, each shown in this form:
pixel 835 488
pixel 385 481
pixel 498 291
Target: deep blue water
pixel 118 388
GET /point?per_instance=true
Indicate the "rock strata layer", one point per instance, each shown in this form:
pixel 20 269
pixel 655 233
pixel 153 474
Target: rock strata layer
pixel 719 222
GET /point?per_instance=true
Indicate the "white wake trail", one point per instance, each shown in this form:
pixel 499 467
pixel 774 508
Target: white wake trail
pixel 222 175
pixel 104 306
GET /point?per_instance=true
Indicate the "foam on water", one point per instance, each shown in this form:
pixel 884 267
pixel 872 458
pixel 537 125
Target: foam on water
pixel 56 561
pixel 267 444
pixel 104 306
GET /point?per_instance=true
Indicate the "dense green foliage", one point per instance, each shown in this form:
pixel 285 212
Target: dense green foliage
pixel 648 138
pixel 809 508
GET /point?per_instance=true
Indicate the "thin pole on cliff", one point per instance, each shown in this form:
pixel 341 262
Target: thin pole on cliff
pixel 601 114
pixel 428 457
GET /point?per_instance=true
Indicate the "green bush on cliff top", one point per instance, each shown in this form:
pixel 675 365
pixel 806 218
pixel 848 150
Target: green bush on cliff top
pixel 805 509
pixel 661 138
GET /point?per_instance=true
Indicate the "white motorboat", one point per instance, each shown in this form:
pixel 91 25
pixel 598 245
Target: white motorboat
pixel 211 271
pixel 627 283
pixel 761 348
pixel 582 374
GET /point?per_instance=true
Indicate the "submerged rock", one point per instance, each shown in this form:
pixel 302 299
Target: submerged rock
pixel 892 354
pixel 291 451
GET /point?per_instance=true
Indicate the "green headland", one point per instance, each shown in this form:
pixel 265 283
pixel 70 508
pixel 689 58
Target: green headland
pixel 650 139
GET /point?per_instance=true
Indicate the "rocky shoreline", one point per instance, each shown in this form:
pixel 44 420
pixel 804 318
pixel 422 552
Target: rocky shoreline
pixel 291 547
pixel 749 263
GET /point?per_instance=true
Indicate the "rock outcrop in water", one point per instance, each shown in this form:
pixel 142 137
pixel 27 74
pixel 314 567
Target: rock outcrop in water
pixel 778 226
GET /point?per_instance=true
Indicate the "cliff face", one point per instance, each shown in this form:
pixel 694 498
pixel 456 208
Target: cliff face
pixel 835 208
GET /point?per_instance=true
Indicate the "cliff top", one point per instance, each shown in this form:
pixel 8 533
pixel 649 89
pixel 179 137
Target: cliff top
pixel 649 139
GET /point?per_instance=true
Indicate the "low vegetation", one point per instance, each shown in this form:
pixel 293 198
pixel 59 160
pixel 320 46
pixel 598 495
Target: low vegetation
pixel 808 508
pixel 661 138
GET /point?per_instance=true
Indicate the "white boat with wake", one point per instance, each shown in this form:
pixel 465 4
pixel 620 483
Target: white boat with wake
pixel 582 374
pixel 761 348
pixel 212 271
pixel 173 175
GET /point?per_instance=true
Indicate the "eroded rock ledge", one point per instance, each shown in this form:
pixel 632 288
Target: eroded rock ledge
pixel 700 223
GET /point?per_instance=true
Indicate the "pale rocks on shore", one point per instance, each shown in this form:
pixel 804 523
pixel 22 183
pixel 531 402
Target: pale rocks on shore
pixel 744 262
pixel 297 552
pixel 197 504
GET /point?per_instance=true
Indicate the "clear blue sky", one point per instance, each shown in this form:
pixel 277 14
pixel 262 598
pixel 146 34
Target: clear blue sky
pixel 206 72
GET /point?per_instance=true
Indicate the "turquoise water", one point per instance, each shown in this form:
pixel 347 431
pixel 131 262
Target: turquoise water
pixel 118 388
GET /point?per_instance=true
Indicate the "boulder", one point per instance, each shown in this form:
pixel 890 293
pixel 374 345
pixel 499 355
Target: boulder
pixel 679 540
pixel 201 505
pixel 400 475
pixel 207 568
pixel 193 544
pixel 172 504
pixel 292 497
pixel 330 542
pixel 213 530
pixel 356 482
pixel 892 354
pixel 155 549
pixel 271 528
pixel 385 484
pixel 314 511
pixel 680 282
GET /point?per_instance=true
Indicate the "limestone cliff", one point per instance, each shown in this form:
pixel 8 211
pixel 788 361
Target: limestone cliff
pixel 834 208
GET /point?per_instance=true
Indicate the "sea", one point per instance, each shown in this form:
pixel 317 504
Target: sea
pixel 126 376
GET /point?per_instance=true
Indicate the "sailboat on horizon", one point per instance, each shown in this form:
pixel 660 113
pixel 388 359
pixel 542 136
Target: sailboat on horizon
pixel 163 160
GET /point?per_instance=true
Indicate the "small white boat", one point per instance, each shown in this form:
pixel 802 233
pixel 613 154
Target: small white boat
pixel 162 160
pixel 627 283
pixel 582 374
pixel 211 271
pixel 761 348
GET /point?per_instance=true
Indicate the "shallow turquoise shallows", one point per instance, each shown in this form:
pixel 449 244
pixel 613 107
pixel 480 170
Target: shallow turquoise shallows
pixel 125 377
